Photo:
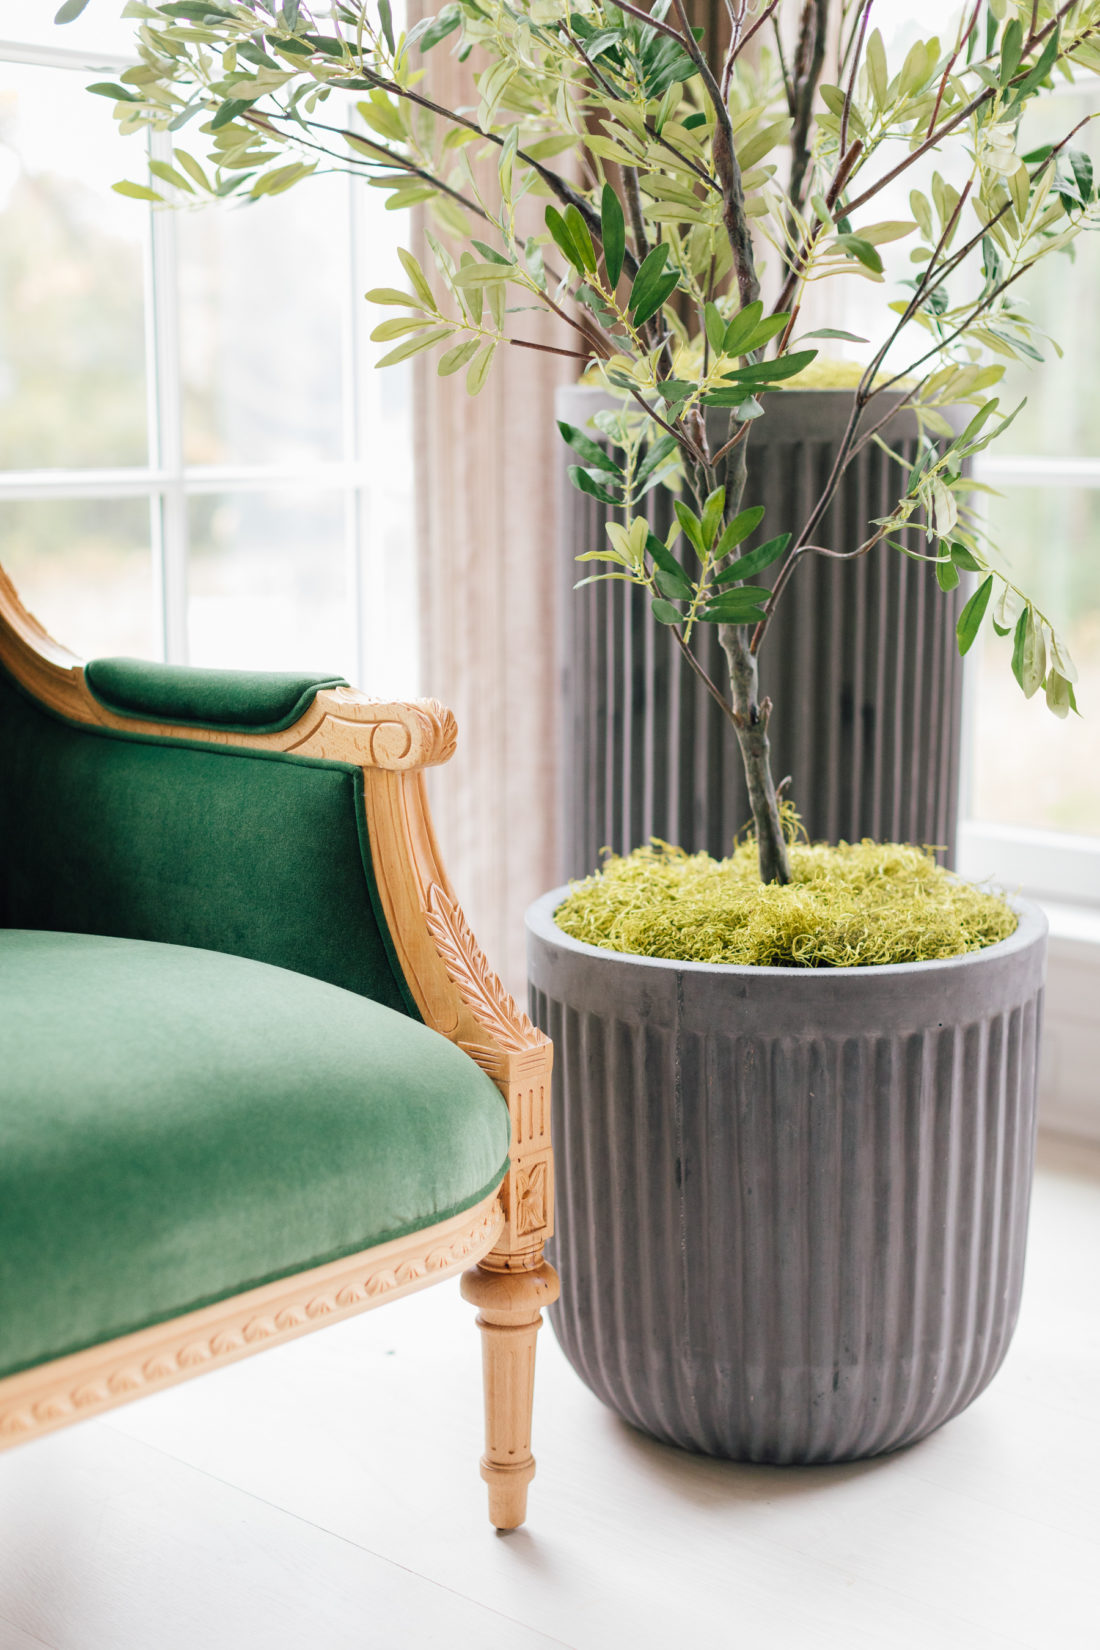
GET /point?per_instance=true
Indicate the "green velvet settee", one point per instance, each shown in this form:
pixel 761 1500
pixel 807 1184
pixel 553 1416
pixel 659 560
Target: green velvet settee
pixel 255 1074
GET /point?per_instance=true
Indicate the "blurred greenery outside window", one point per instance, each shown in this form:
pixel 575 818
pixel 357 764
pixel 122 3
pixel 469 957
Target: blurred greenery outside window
pixel 197 460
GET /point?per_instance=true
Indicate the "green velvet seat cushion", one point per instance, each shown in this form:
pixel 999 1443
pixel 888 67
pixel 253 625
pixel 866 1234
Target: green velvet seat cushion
pixel 179 1125
pixel 244 700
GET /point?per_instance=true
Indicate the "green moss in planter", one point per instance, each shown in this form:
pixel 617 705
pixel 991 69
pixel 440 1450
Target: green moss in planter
pixel 845 907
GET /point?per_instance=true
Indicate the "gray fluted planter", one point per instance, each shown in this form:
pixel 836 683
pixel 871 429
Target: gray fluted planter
pixel 791 1204
pixel 861 664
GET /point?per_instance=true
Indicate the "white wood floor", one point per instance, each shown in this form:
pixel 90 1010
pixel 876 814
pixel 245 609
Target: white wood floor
pixel 325 1496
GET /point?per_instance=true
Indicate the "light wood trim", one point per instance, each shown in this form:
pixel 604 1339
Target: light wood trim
pixel 87 1383
pixel 339 725
pixel 509 1317
pixel 459 995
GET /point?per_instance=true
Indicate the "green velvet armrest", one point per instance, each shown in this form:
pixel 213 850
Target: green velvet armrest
pixel 241 701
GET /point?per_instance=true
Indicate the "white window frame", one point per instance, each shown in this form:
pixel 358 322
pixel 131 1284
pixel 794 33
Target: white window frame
pixel 1057 868
pixel 1060 870
pixel 1049 864
pixel 382 650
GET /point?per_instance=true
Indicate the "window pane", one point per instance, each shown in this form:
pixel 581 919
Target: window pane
pixel 262 290
pixel 1029 768
pixel 72 348
pixel 84 568
pixel 99 28
pixel 267 583
pixel 1062 415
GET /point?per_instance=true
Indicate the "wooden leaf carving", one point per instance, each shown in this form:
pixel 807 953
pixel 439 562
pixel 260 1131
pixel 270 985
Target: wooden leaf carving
pixel 477 985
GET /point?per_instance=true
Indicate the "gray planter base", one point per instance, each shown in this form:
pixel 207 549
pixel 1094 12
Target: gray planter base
pixel 791 1204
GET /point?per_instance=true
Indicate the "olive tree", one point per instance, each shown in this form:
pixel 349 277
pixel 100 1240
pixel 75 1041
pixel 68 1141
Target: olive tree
pixel 641 176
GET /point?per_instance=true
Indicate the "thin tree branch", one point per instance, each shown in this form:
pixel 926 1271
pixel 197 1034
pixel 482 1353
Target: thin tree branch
pixel 846 555
pixel 809 62
pixel 824 500
pixel 601 347
pixel 560 186
pixel 946 343
pixel 970 27
pixel 906 400
pixel 767 14
pixel 691 45
pixel 680 435
pixel 651 22
pixel 788 83
pixel 712 688
pixel 658 137
pixel 865 392
pixel 733 443
pixel 843 173
pixel 934 137
pixel 682 159
pixel 845 52
pixel 547 349
pixel 798 263
pixel 952 121
pixel 605 85
pixel 934 276
pixel 842 141
pixel 727 171
pixel 261 118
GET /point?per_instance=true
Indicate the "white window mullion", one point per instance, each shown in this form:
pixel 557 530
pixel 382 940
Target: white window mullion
pixel 152 425
pixel 352 454
pixel 46 484
pixel 208 478
pixel 64 57
pixel 1018 470
pixel 166 430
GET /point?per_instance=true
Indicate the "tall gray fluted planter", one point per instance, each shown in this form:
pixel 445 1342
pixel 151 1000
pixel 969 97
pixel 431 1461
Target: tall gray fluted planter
pixel 861 664
pixel 791 1203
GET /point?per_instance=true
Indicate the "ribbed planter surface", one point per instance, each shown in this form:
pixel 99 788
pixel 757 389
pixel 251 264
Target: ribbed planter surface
pixel 791 1204
pixel 860 662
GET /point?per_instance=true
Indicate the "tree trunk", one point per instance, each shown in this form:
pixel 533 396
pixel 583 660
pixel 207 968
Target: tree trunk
pixel 750 716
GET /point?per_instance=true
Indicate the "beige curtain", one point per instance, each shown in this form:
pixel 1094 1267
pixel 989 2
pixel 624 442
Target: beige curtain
pixel 488 636
pixel 487 527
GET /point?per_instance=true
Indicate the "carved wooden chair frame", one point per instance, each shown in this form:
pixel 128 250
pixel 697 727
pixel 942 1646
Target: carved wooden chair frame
pixel 457 994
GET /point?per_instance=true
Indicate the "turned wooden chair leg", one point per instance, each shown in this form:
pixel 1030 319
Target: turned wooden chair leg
pixel 509 1301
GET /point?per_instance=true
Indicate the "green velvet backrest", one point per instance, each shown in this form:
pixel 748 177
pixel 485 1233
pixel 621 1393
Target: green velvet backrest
pixel 255 854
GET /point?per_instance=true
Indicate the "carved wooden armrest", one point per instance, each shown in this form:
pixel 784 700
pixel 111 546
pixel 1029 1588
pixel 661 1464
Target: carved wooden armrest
pixel 460 996
pixel 339 725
